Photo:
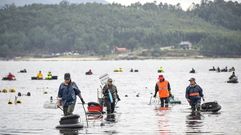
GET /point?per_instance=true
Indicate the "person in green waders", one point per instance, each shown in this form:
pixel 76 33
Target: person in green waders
pixel 67 95
pixel 110 96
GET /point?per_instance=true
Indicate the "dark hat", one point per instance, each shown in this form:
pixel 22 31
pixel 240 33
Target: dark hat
pixel 160 76
pixel 109 80
pixel 192 79
pixel 67 76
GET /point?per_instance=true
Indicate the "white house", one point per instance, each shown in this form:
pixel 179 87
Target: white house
pixel 186 45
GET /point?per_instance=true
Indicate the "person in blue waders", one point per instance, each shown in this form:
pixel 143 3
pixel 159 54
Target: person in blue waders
pixel 194 93
pixel 110 96
pixel 67 95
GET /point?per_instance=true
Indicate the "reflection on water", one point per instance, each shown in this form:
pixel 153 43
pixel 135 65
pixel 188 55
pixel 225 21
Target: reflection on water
pixel 69 131
pixel 163 122
pixel 194 122
pixel 138 113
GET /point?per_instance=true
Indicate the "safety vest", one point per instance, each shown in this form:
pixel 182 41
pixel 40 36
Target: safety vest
pixel 163 89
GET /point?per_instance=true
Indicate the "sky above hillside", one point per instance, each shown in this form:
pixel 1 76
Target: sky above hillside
pixel 184 3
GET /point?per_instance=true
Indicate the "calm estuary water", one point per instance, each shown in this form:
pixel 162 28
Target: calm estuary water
pixel 134 114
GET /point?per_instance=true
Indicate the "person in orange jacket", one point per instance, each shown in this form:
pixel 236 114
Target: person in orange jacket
pixel 164 89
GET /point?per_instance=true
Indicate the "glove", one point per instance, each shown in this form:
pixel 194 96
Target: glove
pixel 118 99
pixel 203 100
pixel 154 96
pixel 82 100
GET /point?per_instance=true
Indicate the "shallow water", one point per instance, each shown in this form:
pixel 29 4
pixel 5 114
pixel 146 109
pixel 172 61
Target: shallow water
pixel 134 114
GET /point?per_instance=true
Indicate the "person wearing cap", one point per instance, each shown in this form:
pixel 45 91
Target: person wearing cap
pixel 67 95
pixel 194 93
pixel 164 89
pixel 110 102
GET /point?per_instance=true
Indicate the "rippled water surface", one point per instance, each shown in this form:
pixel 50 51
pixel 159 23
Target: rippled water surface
pixel 134 114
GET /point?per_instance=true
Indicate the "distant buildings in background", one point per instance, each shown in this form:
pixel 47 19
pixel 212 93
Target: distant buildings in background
pixel 120 50
pixel 186 45
pixel 183 45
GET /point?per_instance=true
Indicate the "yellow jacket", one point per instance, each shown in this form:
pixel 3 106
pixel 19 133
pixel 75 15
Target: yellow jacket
pixel 40 76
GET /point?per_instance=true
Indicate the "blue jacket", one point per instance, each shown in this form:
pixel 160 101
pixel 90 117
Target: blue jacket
pixel 194 89
pixel 68 93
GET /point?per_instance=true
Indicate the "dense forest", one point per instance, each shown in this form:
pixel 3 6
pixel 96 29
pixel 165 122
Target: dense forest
pixel 94 29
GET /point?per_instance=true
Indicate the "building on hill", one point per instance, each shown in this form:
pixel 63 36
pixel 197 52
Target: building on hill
pixel 186 45
pixel 120 50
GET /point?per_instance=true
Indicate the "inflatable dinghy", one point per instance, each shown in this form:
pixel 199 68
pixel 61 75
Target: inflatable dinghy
pixel 53 78
pixel 70 122
pixel 210 107
pixel 70 126
pixel 192 71
pixel 7 79
pixel 233 80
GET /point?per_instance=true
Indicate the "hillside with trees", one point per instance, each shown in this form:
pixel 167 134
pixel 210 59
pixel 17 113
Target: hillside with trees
pixel 95 29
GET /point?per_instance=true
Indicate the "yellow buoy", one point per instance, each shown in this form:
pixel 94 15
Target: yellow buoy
pixel 18 102
pixel 4 90
pixel 12 90
pixel 10 102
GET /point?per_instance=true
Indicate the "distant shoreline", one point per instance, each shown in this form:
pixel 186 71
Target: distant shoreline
pixel 108 58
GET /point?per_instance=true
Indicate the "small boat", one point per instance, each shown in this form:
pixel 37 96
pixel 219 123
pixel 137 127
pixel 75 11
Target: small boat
pixel 70 126
pixel 224 70
pixel 88 73
pixel 7 79
pixel 53 78
pixel 212 69
pixel 233 80
pixel 192 71
pixel 70 122
pixel 210 107
pixel 36 78
pixel 23 71
pixel 132 70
